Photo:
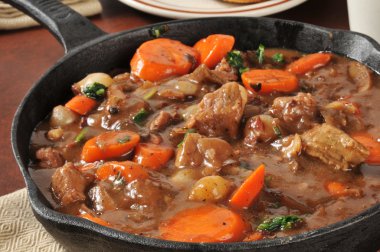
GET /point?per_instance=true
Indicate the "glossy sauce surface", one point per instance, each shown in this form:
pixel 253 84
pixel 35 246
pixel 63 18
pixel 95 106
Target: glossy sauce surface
pixel 292 186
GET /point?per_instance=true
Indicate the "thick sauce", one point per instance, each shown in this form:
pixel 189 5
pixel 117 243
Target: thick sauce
pixel 293 186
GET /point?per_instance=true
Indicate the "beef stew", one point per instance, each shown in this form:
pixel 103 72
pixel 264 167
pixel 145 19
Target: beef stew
pixel 261 144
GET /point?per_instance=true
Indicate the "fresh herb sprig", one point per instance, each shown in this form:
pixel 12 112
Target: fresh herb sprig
pixel 95 91
pixel 157 31
pixel 235 59
pixel 280 223
pixel 278 58
pixel 260 53
pixel 81 135
pixel 140 116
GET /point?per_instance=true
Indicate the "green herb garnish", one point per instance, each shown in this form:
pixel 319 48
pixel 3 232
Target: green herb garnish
pixel 277 131
pixel 184 137
pixel 235 59
pixel 278 58
pixel 256 86
pixel 95 91
pixel 243 69
pixel 119 179
pixel 280 223
pixel 267 180
pixel 81 136
pixel 157 31
pixel 245 165
pixel 123 139
pixel 150 93
pixel 260 53
pixel 140 116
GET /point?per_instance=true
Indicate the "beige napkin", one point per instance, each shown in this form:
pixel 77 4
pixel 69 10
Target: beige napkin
pixel 11 18
pixel 19 229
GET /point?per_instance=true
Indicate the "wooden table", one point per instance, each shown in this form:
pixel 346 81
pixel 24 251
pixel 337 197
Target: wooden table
pixel 26 54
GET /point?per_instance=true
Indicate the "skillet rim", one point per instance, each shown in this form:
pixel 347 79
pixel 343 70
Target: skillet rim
pixel 47 213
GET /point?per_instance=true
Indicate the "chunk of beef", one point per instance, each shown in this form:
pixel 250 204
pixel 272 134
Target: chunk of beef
pixel 164 119
pixel 333 147
pixel 343 115
pixel 261 128
pixel 225 68
pixel 296 113
pixel 160 121
pixel 219 112
pixel 49 158
pixel 69 185
pixel 203 74
pixel 209 153
pixel 101 198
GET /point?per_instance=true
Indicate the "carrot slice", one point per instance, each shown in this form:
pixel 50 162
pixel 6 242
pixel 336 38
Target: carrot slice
pixel 265 81
pixel 213 48
pixel 161 58
pixel 81 104
pixel 129 170
pixel 255 236
pixel 109 145
pixel 97 220
pixel 208 223
pixel 371 144
pixel 152 156
pixel 309 62
pixel 249 190
pixel 338 189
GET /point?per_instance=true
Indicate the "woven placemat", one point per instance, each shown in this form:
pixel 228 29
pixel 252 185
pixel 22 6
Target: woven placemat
pixel 19 229
pixel 11 18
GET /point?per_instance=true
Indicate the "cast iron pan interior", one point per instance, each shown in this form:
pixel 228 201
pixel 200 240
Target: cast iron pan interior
pixel 90 50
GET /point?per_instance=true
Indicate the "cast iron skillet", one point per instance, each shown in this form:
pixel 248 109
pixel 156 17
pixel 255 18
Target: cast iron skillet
pixel 89 49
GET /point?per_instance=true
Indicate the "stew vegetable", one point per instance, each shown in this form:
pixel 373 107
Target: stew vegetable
pixel 207 143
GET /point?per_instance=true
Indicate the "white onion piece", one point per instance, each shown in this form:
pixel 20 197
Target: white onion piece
pixel 62 116
pixel 90 79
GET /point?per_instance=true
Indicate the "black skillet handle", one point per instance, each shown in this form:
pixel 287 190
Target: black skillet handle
pixel 69 27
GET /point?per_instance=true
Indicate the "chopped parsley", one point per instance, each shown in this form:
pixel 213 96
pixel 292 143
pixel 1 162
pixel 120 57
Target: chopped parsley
pixel 150 93
pixel 140 116
pixel 123 139
pixel 119 179
pixel 81 136
pixel 277 131
pixel 267 180
pixel 256 86
pixel 235 59
pixel 280 223
pixel 278 58
pixel 157 31
pixel 184 137
pixel 260 53
pixel 95 91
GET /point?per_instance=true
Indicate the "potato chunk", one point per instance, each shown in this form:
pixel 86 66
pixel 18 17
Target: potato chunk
pixel 210 189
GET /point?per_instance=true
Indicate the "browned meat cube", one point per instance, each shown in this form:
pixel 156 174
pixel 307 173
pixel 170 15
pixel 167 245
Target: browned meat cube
pixel 219 112
pixel 202 152
pixel 101 198
pixel 343 115
pixel 261 128
pixel 49 158
pixel 164 119
pixel 69 185
pixel 333 147
pixel 204 75
pixel 297 113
